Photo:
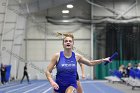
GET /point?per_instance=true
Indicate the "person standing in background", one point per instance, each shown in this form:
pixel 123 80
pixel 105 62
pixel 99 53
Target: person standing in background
pixel 25 73
pixel 129 67
pixel 3 74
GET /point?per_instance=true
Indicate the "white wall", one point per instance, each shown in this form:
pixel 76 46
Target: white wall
pixel 12 26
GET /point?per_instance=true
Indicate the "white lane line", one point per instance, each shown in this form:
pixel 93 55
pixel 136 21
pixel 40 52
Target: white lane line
pixel 98 88
pixel 9 84
pixel 47 90
pixel 12 86
pixel 35 88
pixel 18 88
pixel 92 81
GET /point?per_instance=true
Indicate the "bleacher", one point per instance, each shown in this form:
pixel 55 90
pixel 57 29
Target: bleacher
pixel 115 76
pixel 133 79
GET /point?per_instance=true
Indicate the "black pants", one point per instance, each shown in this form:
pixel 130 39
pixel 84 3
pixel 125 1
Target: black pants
pixel 3 78
pixel 25 74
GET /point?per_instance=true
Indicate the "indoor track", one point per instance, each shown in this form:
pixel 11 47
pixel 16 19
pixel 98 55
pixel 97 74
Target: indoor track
pixel 43 86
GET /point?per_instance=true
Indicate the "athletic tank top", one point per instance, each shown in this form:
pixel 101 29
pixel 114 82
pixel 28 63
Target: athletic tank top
pixel 66 70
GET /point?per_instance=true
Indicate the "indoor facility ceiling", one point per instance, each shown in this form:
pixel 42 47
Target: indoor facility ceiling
pixel 121 11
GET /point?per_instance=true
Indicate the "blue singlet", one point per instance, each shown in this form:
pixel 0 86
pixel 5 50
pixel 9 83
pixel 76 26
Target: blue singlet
pixel 66 72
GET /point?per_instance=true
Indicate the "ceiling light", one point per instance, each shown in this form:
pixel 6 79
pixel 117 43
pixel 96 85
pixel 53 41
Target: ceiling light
pixel 69 6
pixel 65 21
pixel 65 11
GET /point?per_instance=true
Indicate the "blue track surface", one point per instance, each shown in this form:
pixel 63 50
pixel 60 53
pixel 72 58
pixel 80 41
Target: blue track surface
pixel 43 86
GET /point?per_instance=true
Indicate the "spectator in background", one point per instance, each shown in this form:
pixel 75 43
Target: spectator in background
pixel 25 73
pixel 128 69
pixel 138 66
pixel 122 69
pixel 135 66
pixel 3 74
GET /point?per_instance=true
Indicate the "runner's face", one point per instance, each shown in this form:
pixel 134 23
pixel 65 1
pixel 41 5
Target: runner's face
pixel 68 43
